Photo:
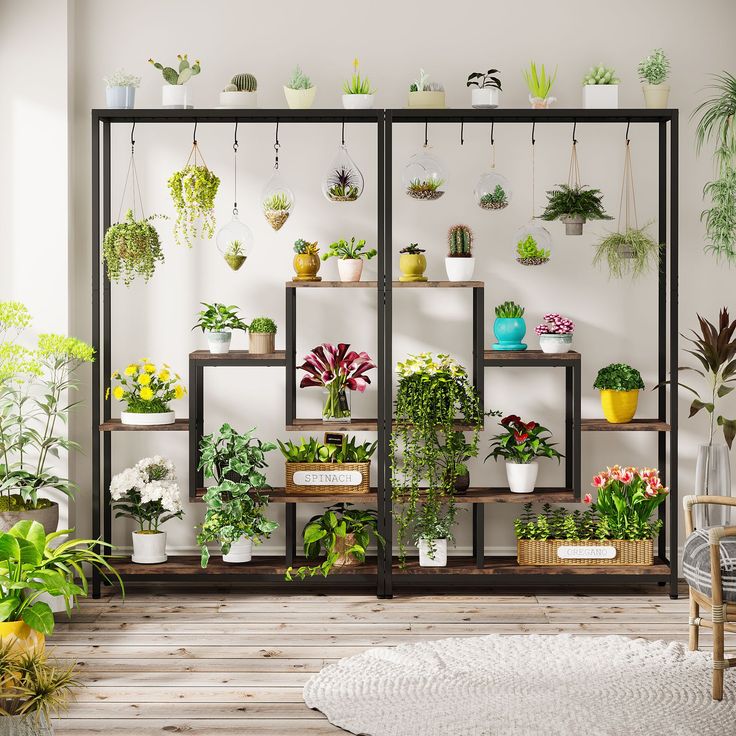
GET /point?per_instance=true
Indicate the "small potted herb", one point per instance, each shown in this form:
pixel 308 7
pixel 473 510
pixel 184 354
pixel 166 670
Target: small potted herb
pixel 262 336
pixel 432 529
pixel 357 91
pixel 350 258
pixel 574 205
pixel 242 92
pixel 132 248
pixel 299 90
pixel 235 255
pixel 509 327
pixel 459 262
pixel 175 92
pixel 600 88
pixel 619 385
pixel 539 85
pixel 412 263
pixel 653 72
pixel 631 253
pixel 520 444
pixel 306 261
pixel 218 321
pixel 426 94
pixel 120 89
pixel 487 88
pixel 496 199
pixel 528 253
pixel 555 334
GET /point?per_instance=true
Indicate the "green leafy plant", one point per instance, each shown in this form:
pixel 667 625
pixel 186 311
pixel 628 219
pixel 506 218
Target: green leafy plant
pixel 305 248
pixel 631 253
pixel 235 255
pixel 343 185
pixel 219 318
pixel 601 75
pixel 263 325
pixel 299 80
pixel 460 241
pixel 720 217
pixel 538 82
pixel 242 83
pixel 428 188
pixel 235 508
pixel 327 534
pixel 434 520
pixel 132 248
pixel 193 191
pixel 412 249
pixel 455 453
pixel 522 442
pixel 484 80
pixel 566 201
pixel 313 451
pixel 655 68
pixel 618 377
pixel 529 254
pixel 495 200
pixel 347 251
pixel 185 70
pixel 509 310
pixel 357 85
pixel 558 523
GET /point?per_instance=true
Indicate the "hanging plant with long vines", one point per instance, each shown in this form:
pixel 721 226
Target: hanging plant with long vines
pixel 433 394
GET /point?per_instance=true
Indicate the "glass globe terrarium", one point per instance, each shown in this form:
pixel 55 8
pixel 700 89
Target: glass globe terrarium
pixel 532 243
pixel 344 181
pixel 235 242
pixel 493 191
pixel 424 176
pixel 277 201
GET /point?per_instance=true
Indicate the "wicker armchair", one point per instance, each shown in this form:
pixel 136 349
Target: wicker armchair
pixel 709 566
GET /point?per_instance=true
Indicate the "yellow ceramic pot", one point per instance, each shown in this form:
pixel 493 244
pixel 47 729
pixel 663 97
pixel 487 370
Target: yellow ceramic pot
pixel 412 267
pixel 306 267
pixel 619 407
pixel 21 634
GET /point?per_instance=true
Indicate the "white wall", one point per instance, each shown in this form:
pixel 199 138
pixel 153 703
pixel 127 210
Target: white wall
pixel 616 321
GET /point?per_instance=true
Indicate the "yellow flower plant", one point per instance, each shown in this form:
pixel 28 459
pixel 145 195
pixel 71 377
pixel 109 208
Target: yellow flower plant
pixel 145 389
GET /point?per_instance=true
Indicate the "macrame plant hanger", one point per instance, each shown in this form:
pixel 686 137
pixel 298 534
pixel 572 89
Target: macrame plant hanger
pixel 132 177
pixel 627 202
pixel 195 152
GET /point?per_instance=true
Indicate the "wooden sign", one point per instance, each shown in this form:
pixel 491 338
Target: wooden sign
pixel 328 477
pixel 593 552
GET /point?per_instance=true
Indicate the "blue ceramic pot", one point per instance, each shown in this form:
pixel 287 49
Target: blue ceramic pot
pixel 509 332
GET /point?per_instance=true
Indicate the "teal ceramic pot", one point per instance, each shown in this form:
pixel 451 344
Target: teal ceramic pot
pixel 509 332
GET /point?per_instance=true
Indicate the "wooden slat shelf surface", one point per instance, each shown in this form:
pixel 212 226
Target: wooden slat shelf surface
pixel 238 356
pixel 354 425
pixel 279 495
pixel 504 495
pixel 115 425
pixel 493 357
pixel 438 284
pixel 635 425
pixel 331 284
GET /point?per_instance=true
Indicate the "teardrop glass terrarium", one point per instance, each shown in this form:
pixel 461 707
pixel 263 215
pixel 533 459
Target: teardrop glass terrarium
pixel 532 244
pixel 235 242
pixel 343 182
pixel 424 176
pixel 277 201
pixel 493 191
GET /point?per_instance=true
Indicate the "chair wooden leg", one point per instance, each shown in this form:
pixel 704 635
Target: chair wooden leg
pixel 718 660
pixel 694 628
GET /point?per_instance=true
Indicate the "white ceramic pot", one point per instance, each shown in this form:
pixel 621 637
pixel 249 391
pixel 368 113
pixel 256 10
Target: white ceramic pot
pixel 459 269
pixel 484 98
pixel 432 99
pixel 120 97
pixel 551 343
pixel 149 549
pixel 175 95
pixel 261 343
pixel 522 477
pixel 656 96
pixel 350 269
pixel 147 420
pixel 440 553
pixel 600 96
pixel 357 102
pixel 240 551
pixel 219 342
pixel 300 99
pixel 239 99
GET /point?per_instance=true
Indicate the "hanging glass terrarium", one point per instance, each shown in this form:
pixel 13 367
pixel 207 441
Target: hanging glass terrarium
pixel 424 176
pixel 344 181
pixel 277 200
pixel 493 190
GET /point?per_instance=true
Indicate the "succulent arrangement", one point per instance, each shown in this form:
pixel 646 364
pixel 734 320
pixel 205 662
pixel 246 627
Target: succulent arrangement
pixel 357 85
pixel 495 200
pixel 234 254
pixel 342 185
pixel 305 248
pixel 529 254
pixel 555 324
pixel 299 80
pixel 655 68
pixel 509 310
pixel 242 83
pixel 276 209
pixel 460 241
pixel 422 84
pixel 185 70
pixel 484 80
pixel 412 249
pixel 574 205
pixel 631 253
pixel 428 188
pixel 601 75
pixel 132 248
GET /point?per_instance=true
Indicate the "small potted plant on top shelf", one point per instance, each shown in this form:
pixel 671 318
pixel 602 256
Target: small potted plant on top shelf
pixel 528 253
pixel 357 91
pixel 147 391
pixel 487 89
pixel 350 258
pixel 600 88
pixel 175 92
pixel 426 94
pixel 574 205
pixel 619 385
pixel 539 85
pixel 242 92
pixel 262 336
pixel 299 90
pixel 120 89
pixel 218 321
pixel 459 262
pixel 555 333
pixel 653 72
pixel 412 263
pixel 306 261
pixel 509 327
pixel 432 529
pixel 520 444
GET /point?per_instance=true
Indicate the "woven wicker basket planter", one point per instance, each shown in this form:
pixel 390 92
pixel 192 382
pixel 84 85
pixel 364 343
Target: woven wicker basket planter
pixel 545 552
pixel 314 479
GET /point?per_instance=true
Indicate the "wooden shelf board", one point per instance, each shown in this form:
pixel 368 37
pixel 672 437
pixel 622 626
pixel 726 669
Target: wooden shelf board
pixel 635 425
pixel 238 356
pixel 494 357
pixel 115 425
pixel 354 425
pixel 437 284
pixel 279 495
pixel 504 495
pixel 331 284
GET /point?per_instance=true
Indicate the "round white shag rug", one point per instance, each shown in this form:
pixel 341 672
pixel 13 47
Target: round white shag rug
pixel 562 685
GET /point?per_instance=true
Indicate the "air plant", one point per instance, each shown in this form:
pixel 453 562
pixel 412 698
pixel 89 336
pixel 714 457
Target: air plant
pixel 234 254
pixel 428 188
pixel 276 209
pixel 555 324
pixel 343 185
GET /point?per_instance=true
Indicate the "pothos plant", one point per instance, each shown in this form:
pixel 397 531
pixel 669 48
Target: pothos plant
pixel 132 248
pixel 433 393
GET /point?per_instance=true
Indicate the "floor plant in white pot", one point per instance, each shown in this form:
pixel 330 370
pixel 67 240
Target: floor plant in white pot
pixel 350 257
pixel 149 494
pixel 218 322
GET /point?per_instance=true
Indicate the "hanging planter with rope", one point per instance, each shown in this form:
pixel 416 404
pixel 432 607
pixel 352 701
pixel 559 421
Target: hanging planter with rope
pixel 493 190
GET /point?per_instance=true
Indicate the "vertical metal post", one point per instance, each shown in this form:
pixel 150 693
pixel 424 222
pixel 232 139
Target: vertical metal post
pixel 478 372
pixel 479 543
pixel 196 425
pixel 290 533
pixel 107 336
pixel 96 368
pixel 577 431
pixel 570 449
pixel 290 354
pixel 674 265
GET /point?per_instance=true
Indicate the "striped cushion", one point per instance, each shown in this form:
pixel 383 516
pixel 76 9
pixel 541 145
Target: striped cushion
pixel 696 564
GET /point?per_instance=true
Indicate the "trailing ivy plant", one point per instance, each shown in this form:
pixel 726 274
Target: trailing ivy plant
pixel 132 248
pixel 193 190
pixel 631 253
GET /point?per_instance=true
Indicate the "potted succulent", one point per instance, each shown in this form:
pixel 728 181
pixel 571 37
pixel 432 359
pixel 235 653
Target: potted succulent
pixel 262 336
pixel 628 254
pixel 218 321
pixel 574 205
pixel 306 261
pixel 349 258
pixel 619 385
pixel 132 248
pixel 509 327
pixel 412 263
pixel 357 91
pixel 555 333
pixel 175 92
pixel 520 443
pixel 147 391
pixel 539 85
pixel 653 72
pixel 193 190
pixel 432 529
pixel 338 370
pixel 299 90
pixel 528 253
pixel 342 534
pixel 242 92
pixel 235 255
pixel 148 494
pixel 120 89
pixel 600 88
pixel 455 453
pixel 487 89
pixel 423 93
pixel 235 517
pixel 459 262
pixel 277 208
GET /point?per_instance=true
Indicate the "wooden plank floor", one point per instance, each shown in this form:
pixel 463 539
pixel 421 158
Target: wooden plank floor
pixel 234 662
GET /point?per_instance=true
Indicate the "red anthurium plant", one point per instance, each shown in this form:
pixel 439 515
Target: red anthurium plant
pixel 522 442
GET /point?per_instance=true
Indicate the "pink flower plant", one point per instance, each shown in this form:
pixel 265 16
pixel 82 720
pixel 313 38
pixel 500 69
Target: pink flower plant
pixel 555 324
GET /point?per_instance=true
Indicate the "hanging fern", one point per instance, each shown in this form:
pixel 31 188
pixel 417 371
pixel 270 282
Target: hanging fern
pixel 132 248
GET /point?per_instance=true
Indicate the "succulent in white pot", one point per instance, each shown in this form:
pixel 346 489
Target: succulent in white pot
pixel 486 89
pixel 350 257
pixel 459 262
pixel 600 88
pixel 357 91
pixel 218 321
pixel 426 94
pixel 120 89
pixel 175 93
pixel 299 90
pixel 242 92
pixel 555 333
pixel 653 72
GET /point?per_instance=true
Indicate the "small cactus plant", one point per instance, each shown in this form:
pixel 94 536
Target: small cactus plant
pixel 243 83
pixel 601 75
pixel 460 241
pixel 185 73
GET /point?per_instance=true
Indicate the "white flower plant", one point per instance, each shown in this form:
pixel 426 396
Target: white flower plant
pixel 121 78
pixel 148 493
